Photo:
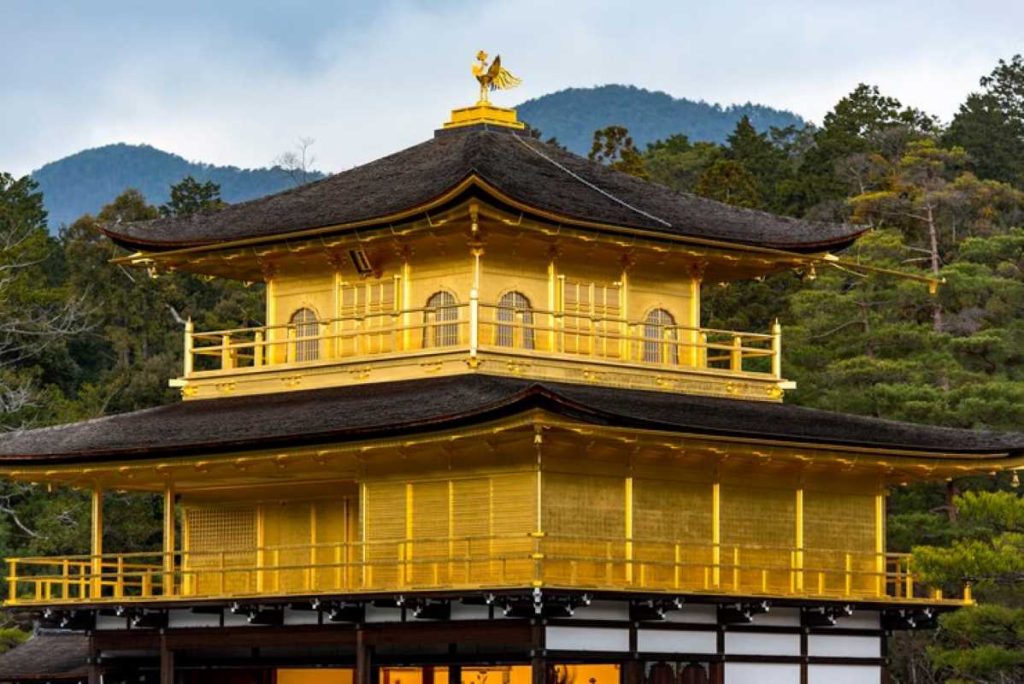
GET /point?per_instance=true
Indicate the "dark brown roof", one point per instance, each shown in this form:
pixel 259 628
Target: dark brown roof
pixel 353 413
pixel 49 655
pixel 527 171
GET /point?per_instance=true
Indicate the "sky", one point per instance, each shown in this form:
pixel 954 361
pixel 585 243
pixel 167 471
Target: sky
pixel 241 81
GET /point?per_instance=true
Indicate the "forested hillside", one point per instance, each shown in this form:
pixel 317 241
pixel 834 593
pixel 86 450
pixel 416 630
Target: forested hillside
pixel 84 182
pixel 572 115
pixel 83 337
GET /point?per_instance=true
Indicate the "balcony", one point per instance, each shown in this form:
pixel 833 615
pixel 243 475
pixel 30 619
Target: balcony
pixel 471 564
pixel 460 338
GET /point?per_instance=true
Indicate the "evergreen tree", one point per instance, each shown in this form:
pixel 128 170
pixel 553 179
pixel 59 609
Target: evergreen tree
pixel 990 124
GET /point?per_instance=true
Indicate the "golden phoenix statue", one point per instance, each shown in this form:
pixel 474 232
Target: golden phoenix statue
pixel 493 77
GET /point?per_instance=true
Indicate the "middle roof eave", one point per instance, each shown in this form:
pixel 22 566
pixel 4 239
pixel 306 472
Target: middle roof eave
pixel 420 406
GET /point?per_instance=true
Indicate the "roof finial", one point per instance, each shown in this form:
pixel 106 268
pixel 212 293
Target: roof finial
pixel 492 77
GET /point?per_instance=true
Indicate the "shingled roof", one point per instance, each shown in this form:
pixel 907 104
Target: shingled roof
pixel 50 655
pixel 474 160
pixel 413 406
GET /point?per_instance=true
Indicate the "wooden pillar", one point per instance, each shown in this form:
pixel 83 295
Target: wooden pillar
pixel 633 672
pixel 538 661
pixel 166 663
pixel 455 673
pixel 364 659
pixel 96 541
pixel 95 674
pixel 170 540
pixel 428 674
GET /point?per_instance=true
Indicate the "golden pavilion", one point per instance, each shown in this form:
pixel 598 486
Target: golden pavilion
pixel 483 438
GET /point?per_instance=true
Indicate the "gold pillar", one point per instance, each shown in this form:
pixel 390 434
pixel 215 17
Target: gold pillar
pixel 552 300
pixel 170 540
pixel 879 543
pixel 716 532
pixel 694 338
pixel 96 541
pixel 798 556
pixel 629 529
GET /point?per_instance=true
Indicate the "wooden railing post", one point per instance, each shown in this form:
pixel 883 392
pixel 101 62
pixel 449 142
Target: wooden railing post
pixel 777 350
pixel 12 580
pixel 257 349
pixel 736 354
pixel 188 359
pixel 225 352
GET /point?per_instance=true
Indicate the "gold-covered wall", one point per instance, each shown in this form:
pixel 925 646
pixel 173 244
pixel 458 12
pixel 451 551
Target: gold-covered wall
pixel 238 544
pixel 521 510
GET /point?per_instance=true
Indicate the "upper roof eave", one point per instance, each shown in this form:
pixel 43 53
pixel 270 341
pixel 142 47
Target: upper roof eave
pixel 546 180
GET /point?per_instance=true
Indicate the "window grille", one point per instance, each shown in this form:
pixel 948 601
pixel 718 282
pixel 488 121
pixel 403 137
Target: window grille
pixel 440 326
pixel 307 329
pixel 514 311
pixel 660 338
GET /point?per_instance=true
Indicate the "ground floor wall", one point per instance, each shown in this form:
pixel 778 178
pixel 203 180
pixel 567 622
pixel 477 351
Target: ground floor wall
pixel 601 643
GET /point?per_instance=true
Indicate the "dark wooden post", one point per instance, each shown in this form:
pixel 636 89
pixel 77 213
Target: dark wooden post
pixel 95 675
pixel 538 661
pixel 364 659
pixel 166 663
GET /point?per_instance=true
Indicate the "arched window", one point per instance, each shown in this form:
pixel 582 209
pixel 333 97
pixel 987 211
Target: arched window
pixel 305 325
pixel 515 321
pixel 440 321
pixel 660 337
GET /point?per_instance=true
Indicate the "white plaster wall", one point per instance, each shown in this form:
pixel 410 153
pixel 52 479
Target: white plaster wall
pixel 587 639
pixel 843 674
pixel 841 646
pixel 746 643
pixel 762 673
pixel 664 641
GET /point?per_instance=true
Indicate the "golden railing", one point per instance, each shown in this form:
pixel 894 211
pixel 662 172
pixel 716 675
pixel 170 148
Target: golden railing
pixel 476 326
pixel 469 563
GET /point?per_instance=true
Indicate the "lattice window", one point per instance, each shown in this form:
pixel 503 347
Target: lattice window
pixel 307 329
pixel 591 318
pixel 440 327
pixel 660 337
pixel 839 528
pixel 515 321
pixel 220 551
pixel 368 298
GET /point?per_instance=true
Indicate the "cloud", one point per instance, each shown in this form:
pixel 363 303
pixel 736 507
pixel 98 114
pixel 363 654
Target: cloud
pixel 238 82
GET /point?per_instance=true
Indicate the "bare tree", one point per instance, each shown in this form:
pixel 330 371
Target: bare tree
pixel 298 162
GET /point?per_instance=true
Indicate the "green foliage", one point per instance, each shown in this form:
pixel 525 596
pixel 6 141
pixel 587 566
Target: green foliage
pixel 729 181
pixel 11 637
pixel 191 197
pixel 990 124
pixel 614 146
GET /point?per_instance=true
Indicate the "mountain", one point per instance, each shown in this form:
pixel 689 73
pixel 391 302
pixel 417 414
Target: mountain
pixel 572 116
pixel 84 182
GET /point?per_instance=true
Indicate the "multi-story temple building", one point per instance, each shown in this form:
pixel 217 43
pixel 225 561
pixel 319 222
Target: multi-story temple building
pixel 483 437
